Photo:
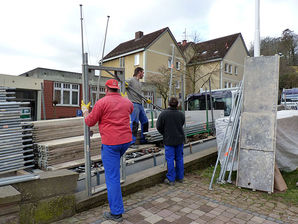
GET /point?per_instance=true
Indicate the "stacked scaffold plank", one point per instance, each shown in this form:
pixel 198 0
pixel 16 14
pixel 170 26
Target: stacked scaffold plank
pixel 62 140
pixel 59 128
pixel 16 148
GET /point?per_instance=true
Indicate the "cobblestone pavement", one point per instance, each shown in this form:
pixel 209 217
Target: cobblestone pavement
pixel 192 202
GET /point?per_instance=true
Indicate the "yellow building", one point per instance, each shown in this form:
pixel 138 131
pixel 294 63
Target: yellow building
pixel 153 52
pixel 221 60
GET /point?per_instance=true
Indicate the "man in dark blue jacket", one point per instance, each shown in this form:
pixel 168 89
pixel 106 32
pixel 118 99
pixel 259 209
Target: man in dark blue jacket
pixel 170 124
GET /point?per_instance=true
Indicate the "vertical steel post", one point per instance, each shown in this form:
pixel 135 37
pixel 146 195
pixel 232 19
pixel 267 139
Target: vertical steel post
pixel 85 83
pixel 207 119
pixel 43 103
pixel 123 167
pixel 101 61
pixel 257 29
pixel 86 128
pixel 211 105
pixel 172 66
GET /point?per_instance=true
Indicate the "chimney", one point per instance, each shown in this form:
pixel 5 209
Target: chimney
pixel 138 35
pixel 184 42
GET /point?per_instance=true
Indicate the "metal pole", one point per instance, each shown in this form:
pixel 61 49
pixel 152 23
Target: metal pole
pixel 234 154
pixel 206 101
pixel 211 104
pixel 101 61
pixel 86 128
pixel 43 103
pixel 82 36
pixel 257 29
pixel 223 143
pixel 172 65
pixel 85 83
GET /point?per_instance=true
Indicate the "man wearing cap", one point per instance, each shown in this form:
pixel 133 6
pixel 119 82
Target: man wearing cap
pixel 138 114
pixel 112 115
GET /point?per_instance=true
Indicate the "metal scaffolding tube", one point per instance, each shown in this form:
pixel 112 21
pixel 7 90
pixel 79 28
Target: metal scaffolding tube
pixel 18 151
pixel 234 153
pixel 224 141
pixel 15 168
pixel 235 124
pixel 17 179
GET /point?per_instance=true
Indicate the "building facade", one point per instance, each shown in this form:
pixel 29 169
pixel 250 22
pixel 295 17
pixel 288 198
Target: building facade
pixel 154 53
pixel 219 60
pixel 63 91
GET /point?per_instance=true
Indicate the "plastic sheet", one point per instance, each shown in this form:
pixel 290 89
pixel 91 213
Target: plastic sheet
pixel 286 140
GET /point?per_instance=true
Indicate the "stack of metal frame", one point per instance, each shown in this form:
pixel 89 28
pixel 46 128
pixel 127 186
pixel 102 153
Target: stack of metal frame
pixel 230 142
pixel 190 129
pixel 16 148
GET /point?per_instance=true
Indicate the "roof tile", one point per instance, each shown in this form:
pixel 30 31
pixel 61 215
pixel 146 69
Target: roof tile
pixel 213 49
pixel 133 44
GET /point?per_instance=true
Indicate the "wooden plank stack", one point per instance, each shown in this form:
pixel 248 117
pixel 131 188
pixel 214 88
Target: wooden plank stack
pixel 62 140
pixel 59 128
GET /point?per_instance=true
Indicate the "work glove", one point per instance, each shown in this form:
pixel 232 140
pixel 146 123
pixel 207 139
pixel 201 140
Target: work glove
pixel 123 94
pixel 148 101
pixel 85 107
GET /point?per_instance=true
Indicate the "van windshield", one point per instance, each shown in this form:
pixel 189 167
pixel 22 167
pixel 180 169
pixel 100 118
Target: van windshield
pixel 219 103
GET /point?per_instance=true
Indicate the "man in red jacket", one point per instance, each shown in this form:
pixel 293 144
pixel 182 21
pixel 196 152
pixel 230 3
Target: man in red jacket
pixel 112 115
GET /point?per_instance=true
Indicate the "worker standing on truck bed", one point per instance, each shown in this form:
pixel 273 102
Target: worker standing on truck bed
pixel 138 114
pixel 112 115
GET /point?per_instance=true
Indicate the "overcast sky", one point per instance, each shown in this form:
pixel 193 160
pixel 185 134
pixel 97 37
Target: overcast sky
pixel 46 33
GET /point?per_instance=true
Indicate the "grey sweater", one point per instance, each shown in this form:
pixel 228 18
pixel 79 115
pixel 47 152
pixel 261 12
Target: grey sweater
pixel 137 86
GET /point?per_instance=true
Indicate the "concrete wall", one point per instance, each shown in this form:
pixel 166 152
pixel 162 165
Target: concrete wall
pixel 49 198
pixel 20 82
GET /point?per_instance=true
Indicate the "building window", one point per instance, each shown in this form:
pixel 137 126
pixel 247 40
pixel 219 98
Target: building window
pixel 148 95
pixel 178 65
pixel 169 62
pixel 226 67
pixel 121 62
pixel 236 70
pixel 66 94
pixel 137 59
pixel 226 84
pixel 177 85
pixel 230 69
pixel 94 92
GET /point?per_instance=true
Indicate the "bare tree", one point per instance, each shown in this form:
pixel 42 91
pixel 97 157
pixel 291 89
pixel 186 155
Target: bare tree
pixel 289 42
pixel 287 47
pixel 198 75
pixel 162 82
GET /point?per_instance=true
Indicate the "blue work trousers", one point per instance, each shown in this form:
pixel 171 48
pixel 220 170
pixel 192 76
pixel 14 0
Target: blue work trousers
pixel 138 115
pixel 174 153
pixel 111 155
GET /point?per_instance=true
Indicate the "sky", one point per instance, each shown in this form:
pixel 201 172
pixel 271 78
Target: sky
pixel 47 33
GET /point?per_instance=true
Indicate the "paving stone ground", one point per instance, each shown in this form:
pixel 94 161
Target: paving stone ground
pixel 192 202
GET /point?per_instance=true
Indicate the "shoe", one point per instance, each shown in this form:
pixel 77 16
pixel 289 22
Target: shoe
pixel 180 181
pixel 110 216
pixel 166 181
